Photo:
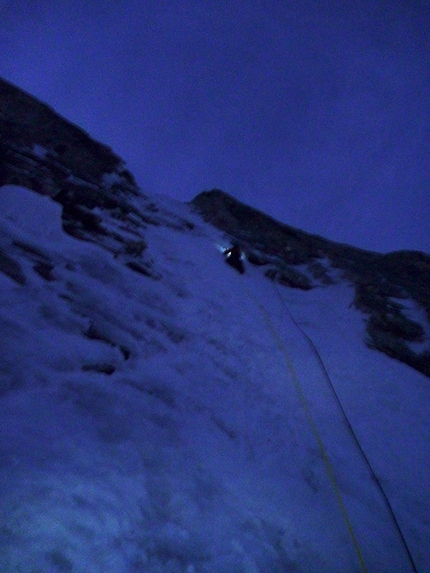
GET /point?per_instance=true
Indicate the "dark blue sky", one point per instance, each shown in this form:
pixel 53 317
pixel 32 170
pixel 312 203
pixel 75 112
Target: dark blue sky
pixel 314 111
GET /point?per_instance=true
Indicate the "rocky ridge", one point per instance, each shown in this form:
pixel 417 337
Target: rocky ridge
pixel 385 284
pixel 100 198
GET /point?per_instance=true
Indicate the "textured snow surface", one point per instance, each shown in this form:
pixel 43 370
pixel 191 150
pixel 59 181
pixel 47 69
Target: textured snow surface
pixel 154 426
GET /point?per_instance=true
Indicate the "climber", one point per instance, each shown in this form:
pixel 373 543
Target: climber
pixel 233 257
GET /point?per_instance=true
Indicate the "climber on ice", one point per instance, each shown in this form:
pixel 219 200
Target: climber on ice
pixel 234 258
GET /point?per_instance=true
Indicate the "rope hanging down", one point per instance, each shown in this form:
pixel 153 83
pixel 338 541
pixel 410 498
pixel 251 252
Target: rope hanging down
pixel 315 431
pixel 353 434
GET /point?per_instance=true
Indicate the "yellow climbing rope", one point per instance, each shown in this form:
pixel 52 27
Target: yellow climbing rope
pixel 317 435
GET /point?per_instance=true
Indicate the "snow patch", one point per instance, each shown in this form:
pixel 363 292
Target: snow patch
pixel 40 151
pixel 37 215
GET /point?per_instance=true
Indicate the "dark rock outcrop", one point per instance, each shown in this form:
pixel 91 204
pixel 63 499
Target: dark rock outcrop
pixel 44 152
pixel 11 268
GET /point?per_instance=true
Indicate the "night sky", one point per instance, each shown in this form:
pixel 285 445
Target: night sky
pixel 316 112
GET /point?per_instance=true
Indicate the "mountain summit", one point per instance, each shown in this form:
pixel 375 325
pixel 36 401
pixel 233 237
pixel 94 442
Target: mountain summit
pixel 162 413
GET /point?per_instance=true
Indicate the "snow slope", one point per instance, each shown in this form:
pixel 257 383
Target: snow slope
pixel 155 425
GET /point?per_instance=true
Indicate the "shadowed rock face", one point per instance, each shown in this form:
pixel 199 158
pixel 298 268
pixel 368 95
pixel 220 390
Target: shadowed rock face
pixel 46 153
pixel 298 259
